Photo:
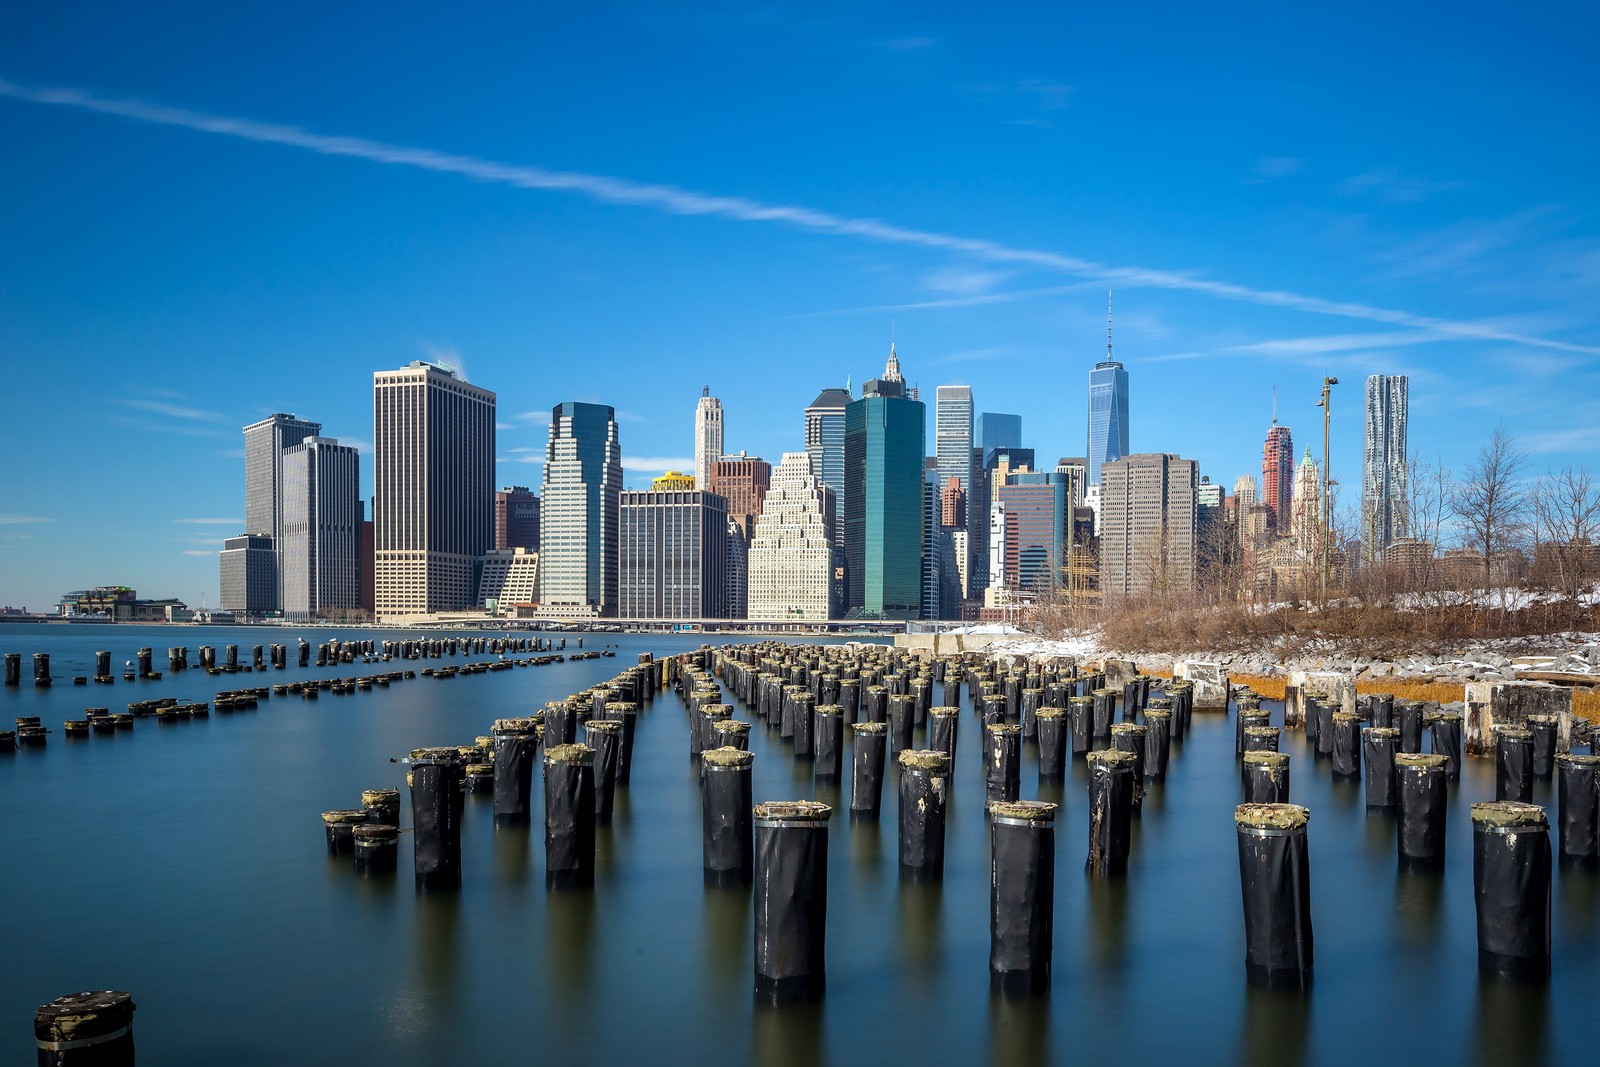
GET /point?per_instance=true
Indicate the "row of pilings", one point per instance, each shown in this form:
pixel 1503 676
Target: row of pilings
pixel 262 657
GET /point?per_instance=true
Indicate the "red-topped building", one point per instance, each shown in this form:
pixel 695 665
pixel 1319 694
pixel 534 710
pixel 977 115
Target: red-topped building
pixel 1277 477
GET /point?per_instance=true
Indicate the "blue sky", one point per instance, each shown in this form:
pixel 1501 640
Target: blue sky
pixel 212 212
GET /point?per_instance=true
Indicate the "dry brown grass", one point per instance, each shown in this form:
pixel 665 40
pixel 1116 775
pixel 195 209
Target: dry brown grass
pixel 1585 702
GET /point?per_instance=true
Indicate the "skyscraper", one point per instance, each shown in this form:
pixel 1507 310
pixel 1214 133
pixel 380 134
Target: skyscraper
pixel 996 430
pixel 791 554
pixel 825 437
pixel 742 481
pixel 433 515
pixel 1147 525
pixel 1036 506
pixel 1108 409
pixel 516 519
pixel 321 525
pixel 579 512
pixel 1384 512
pixel 673 556
pixel 1306 507
pixel 264 443
pixel 952 434
pixel 1277 477
pixel 885 432
pixel 707 436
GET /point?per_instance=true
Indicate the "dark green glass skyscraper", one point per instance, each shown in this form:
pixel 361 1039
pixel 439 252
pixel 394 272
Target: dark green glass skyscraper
pixel 884 439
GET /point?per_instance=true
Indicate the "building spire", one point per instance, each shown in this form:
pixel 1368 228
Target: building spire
pixel 1108 326
pixel 891 372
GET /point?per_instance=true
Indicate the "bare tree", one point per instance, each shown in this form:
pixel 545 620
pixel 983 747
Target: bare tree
pixel 1566 520
pixel 1490 502
pixel 1429 490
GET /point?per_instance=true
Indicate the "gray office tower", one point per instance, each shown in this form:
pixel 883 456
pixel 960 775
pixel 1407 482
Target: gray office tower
pixel 825 437
pixel 433 509
pixel 952 434
pixel 1383 465
pixel 264 443
pixel 673 556
pixel 580 512
pixel 321 521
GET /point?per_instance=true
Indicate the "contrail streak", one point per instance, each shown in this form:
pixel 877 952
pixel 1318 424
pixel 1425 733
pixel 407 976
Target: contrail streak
pixel 677 201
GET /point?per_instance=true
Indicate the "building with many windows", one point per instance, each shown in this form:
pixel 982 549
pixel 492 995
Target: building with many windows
pixel 1108 410
pixel 673 555
pixel 516 519
pixel 264 443
pixel 883 499
pixel 1277 478
pixel 1147 525
pixel 433 464
pixel 1384 517
pixel 249 575
pixel 994 429
pixel 1036 508
pixel 321 523
pixel 825 437
pixel 707 436
pixel 791 555
pixel 510 581
pixel 742 481
pixel 578 539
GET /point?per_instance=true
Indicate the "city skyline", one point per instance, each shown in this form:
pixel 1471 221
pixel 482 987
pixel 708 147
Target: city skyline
pixel 199 243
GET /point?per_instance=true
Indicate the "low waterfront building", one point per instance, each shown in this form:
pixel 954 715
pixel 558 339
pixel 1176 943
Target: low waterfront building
pixel 510 580
pixel 249 575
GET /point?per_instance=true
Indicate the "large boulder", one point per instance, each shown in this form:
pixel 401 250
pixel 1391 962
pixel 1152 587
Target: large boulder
pixel 1329 686
pixel 1210 680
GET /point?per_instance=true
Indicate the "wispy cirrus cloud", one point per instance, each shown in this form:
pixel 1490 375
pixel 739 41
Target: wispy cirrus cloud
pixel 970 355
pixel 200 551
pixel 23 520
pixel 209 522
pixel 1273 168
pixel 1390 185
pixel 679 201
pixel 171 410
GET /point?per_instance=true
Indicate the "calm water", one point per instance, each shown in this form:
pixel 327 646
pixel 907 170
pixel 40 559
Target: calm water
pixel 186 863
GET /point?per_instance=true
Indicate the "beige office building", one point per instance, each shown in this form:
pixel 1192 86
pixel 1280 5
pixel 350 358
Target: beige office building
pixel 433 463
pixel 1147 525
pixel 791 552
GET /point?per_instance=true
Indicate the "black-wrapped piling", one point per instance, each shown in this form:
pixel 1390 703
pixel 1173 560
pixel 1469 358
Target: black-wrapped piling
pixel 1266 777
pixel 569 817
pixel 381 805
pixel 1110 812
pixel 1002 761
pixel 1514 764
pixel 1380 710
pixel 1245 721
pixel 13 662
pixel 340 829
pixel 874 704
pixel 1379 747
pixel 1158 742
pixel 515 744
pixel 436 803
pixel 605 737
pixel 377 848
pixel 1022 857
pixel 1408 718
pixel 1578 808
pixel 1511 888
pixel 1420 808
pixel 1104 702
pixel 943 729
pixel 1275 880
pixel 1543 728
pixel 93 1029
pixel 41 669
pixel 902 723
pixel 1346 744
pixel 924 792
pixel 1051 726
pixel 866 769
pixel 1260 739
pixel 1080 720
pixel 827 735
pixel 1129 737
pixel 1445 730
pixel 791 901
pixel 728 826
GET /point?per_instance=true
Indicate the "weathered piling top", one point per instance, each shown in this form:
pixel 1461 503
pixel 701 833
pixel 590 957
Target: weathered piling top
pixel 1508 815
pixel 1038 812
pixel 1271 816
pixel 1382 733
pixel 1423 760
pixel 870 727
pixel 569 754
pixel 932 761
pixel 792 812
pixel 1274 760
pixel 727 758
pixel 1109 759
